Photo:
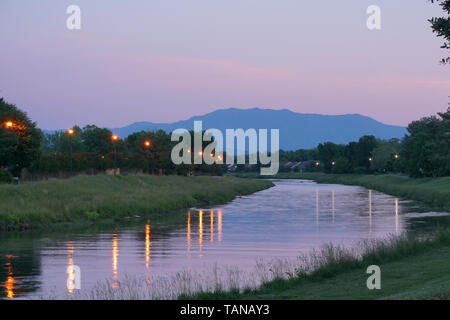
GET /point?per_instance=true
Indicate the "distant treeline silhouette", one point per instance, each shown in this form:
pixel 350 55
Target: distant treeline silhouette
pixel 423 152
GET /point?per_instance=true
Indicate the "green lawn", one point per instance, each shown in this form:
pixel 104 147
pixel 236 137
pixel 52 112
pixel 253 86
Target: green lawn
pixel 426 276
pixel 94 198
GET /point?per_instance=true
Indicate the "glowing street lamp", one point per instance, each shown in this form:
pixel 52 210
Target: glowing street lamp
pixel 333 163
pixel 370 159
pixel 9 124
pixel 396 156
pixel 147 145
pixel 114 139
pixel 70 132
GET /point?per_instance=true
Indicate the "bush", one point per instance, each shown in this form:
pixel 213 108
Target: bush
pixel 5 176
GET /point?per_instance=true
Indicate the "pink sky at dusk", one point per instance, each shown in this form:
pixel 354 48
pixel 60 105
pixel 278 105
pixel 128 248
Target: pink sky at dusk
pixel 167 61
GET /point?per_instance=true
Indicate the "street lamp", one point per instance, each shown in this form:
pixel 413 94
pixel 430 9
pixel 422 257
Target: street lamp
pixel 70 133
pixel 396 156
pixel 9 124
pixel 147 145
pixel 114 140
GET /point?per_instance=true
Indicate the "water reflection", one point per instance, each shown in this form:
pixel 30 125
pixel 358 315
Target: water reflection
pixel 10 281
pixel 333 210
pixel 396 215
pixel 147 244
pixel 70 268
pixel 200 230
pixel 370 211
pixel 188 236
pixel 219 226
pixel 20 266
pixel 317 207
pixel 211 231
pixel 115 256
pixel 215 226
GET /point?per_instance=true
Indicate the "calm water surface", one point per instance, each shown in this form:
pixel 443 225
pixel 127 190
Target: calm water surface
pixel 292 217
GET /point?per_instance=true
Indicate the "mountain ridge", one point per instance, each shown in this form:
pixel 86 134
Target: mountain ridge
pixel 297 130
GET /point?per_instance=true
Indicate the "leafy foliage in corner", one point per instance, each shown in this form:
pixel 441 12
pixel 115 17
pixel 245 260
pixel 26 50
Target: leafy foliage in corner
pixel 441 26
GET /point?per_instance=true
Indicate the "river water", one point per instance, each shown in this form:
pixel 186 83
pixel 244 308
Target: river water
pixel 291 218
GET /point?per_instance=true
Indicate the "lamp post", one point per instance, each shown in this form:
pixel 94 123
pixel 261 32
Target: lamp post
pixel 147 145
pixel 70 133
pixel 114 140
pixel 9 125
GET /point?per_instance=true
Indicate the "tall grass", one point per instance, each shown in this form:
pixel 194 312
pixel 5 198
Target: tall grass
pixel 330 261
pixel 92 198
pixel 228 282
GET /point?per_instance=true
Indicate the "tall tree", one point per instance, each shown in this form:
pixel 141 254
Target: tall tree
pixel 441 26
pixel 97 140
pixel 427 147
pixel 60 141
pixel 19 138
pixel 328 153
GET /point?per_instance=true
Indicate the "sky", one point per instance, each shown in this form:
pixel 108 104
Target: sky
pixel 168 60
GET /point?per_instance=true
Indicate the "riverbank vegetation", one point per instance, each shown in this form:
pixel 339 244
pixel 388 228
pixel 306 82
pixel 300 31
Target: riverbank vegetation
pixel 41 204
pixel 411 268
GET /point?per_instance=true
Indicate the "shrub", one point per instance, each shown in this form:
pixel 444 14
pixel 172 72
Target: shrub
pixel 5 176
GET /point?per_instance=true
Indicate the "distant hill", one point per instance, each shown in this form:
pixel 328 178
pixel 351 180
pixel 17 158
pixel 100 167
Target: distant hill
pixel 297 130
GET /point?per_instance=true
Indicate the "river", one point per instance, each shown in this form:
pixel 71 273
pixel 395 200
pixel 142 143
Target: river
pixel 276 224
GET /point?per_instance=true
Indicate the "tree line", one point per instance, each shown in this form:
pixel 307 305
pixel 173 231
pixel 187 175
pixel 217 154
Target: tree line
pixel 91 148
pixel 423 152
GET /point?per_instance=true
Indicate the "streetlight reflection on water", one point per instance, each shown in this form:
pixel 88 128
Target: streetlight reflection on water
pixel 147 244
pixel 147 241
pixel 10 283
pixel 201 228
pixel 71 273
pixel 115 260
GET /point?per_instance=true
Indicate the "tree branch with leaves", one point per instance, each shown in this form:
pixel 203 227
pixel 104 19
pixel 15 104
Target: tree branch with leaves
pixel 441 26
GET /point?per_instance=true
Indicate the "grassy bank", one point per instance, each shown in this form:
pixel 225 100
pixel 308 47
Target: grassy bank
pixel 434 192
pixel 410 269
pixel 94 198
